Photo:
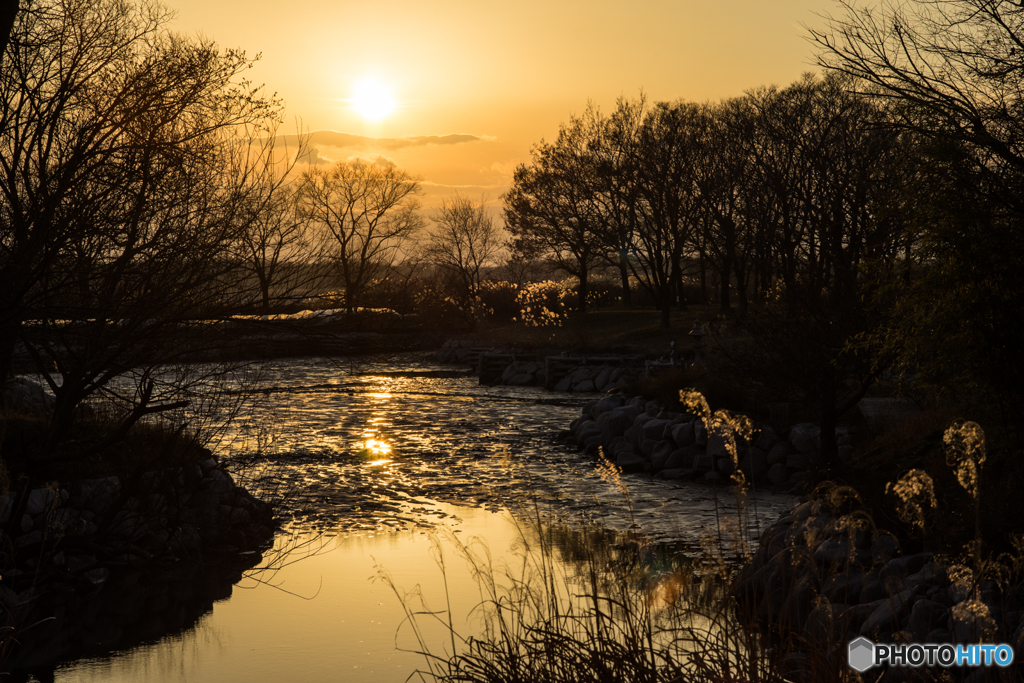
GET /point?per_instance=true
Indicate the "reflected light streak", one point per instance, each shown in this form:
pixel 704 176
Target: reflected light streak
pixel 375 449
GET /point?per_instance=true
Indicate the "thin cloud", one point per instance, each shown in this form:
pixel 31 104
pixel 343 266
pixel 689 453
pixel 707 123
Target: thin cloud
pixel 330 138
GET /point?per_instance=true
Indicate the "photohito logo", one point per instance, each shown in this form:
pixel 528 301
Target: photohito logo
pixel 864 654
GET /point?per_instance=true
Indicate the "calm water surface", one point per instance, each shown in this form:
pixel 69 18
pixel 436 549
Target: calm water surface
pixel 386 464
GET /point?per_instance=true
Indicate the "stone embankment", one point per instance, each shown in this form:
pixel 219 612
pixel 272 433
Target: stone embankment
pixel 825 574
pixel 558 373
pixel 640 435
pixel 95 563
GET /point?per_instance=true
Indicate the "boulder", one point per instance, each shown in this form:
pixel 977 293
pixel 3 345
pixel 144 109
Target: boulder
pixel 766 439
pixel 805 437
pixel 890 615
pixel 585 386
pixel 682 434
pixel 777 473
pixel 614 423
pixel 607 404
pixel 703 463
pixel 800 461
pixel 718 445
pixel 629 462
pixel 754 464
pixel 779 453
pixel 661 454
pixel 925 617
pixel 700 433
pixel 654 429
pixel 679 460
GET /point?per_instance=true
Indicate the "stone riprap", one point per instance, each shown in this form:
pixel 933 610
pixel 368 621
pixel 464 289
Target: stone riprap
pixel 640 435
pixel 101 562
pixel 578 375
pixel 824 574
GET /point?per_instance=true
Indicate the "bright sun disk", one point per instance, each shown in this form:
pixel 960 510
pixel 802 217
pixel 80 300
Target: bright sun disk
pixel 372 99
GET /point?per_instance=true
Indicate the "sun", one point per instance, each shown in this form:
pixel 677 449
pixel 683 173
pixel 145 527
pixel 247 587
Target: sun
pixel 372 99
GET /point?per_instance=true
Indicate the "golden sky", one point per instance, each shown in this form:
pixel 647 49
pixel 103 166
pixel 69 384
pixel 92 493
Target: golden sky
pixel 475 84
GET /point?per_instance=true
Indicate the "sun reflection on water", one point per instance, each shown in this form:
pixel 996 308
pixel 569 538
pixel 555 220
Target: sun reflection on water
pixel 376 451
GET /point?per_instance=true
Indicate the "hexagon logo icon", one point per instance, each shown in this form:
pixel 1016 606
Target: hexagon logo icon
pixel 861 656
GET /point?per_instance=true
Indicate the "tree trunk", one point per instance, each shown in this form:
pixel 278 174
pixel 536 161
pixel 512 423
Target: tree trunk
pixel 723 287
pixel 627 295
pixel 582 292
pixel 829 418
pixel 7 15
pixel 8 340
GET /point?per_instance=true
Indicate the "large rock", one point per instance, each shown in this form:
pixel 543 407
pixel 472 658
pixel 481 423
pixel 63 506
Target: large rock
pixel 661 454
pixel 925 617
pixel 607 404
pixel 682 434
pixel 23 395
pixel 718 445
pixel 614 423
pixel 889 616
pixel 754 464
pixel 589 430
pixel 629 462
pixel 766 439
pixel 777 473
pixel 779 453
pixel 700 433
pixel 679 460
pixel 584 386
pixel 703 463
pixel 654 429
pixel 805 437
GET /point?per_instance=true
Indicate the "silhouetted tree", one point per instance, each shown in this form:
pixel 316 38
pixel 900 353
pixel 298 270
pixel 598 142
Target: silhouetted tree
pixel 280 249
pixel 7 14
pixel 665 199
pixel 956 71
pixel 553 209
pixel 368 212
pixel 125 166
pixel 463 242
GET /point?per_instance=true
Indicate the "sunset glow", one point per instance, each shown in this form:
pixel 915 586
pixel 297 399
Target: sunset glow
pixel 372 99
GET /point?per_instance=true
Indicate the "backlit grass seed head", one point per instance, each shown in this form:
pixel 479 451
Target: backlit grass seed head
pixel 975 611
pixel 733 428
pixel 610 473
pixel 965 453
pixel 961 575
pixel 916 492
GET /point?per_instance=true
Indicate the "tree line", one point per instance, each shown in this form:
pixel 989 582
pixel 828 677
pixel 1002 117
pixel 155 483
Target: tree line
pixel 144 195
pixel 866 219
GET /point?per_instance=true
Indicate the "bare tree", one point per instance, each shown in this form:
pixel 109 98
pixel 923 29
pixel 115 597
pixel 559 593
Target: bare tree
pixel 464 241
pixel 962 61
pixel 7 14
pixel 955 71
pixel 553 209
pixel 368 212
pixel 125 167
pixel 280 250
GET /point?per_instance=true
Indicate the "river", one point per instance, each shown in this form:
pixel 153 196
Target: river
pixel 387 465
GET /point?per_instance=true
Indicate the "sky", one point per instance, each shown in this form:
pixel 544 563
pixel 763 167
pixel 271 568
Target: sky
pixel 472 86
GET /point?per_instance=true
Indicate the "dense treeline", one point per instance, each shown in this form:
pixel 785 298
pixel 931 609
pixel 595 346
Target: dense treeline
pixel 856 223
pixel 779 188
